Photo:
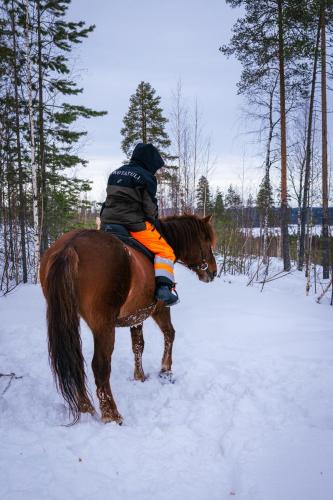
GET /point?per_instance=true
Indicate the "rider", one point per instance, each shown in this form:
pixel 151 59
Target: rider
pixel 131 202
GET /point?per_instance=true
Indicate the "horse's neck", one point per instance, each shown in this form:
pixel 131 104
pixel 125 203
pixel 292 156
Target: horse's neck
pixel 163 229
pixel 171 237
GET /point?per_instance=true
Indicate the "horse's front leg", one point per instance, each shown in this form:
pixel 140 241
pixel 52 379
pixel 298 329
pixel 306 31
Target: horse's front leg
pixel 138 344
pixel 163 319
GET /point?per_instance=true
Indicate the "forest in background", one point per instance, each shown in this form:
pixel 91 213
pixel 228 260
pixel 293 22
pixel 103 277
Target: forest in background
pixel 285 49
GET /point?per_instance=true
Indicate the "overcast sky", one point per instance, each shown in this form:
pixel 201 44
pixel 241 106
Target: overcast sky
pixel 161 42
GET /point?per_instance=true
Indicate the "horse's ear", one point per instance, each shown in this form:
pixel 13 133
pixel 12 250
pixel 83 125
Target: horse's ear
pixel 208 218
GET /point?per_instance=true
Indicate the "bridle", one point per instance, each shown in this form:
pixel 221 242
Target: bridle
pixel 198 267
pixel 203 266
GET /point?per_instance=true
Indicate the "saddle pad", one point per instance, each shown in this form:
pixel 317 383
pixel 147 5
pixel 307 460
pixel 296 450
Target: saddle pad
pixel 123 235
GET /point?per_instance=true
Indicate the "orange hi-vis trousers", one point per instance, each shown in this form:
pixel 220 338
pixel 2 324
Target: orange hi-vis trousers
pixel 164 255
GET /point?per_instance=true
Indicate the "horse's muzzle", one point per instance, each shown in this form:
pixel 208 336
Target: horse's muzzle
pixel 211 275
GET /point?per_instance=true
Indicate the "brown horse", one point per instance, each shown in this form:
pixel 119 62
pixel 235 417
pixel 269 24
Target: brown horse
pixel 92 274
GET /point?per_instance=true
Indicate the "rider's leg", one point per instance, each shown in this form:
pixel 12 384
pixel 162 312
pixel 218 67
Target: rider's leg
pixel 164 261
pixel 164 255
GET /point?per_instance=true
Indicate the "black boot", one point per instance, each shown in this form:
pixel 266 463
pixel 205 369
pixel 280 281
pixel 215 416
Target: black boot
pixel 165 291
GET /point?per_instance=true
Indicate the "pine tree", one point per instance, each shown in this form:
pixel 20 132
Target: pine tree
pixel 232 198
pixel 250 212
pixel 233 203
pixel 249 201
pixel 218 204
pixel 204 202
pixel 265 204
pixel 265 197
pixel 144 121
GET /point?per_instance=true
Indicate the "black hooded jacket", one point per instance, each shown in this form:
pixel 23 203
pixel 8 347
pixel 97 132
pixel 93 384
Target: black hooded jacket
pixel 131 190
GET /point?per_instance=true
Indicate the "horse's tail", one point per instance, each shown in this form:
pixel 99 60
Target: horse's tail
pixel 64 341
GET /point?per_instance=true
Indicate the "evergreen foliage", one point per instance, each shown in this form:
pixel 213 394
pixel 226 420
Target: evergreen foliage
pixel 218 204
pixel 203 197
pixel 255 44
pixel 265 196
pixel 265 204
pixel 232 198
pixel 144 121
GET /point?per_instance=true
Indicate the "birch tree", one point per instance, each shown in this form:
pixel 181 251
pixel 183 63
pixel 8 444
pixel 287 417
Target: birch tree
pixel 34 167
pixel 325 220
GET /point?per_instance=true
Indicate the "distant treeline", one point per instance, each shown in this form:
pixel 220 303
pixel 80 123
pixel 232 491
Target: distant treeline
pixel 252 218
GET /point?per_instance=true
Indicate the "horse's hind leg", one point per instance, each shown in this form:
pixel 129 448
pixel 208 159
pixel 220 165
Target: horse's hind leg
pixel 138 344
pixel 101 365
pixel 85 406
pixel 163 319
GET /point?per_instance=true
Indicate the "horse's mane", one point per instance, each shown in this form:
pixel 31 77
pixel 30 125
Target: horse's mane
pixel 183 231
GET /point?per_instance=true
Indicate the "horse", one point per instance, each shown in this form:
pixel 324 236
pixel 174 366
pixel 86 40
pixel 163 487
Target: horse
pixel 92 274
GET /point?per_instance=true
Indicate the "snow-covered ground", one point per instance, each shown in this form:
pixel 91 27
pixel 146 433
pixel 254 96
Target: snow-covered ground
pixel 250 415
pixel 315 230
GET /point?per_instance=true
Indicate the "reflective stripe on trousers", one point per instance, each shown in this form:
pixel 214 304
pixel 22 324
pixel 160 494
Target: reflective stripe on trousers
pixel 164 267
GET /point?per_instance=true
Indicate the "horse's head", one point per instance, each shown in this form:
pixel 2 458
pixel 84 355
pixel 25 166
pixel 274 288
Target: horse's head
pixel 201 259
pixel 192 239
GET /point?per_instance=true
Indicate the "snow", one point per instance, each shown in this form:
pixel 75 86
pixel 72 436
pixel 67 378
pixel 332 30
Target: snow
pixel 250 415
pixel 315 230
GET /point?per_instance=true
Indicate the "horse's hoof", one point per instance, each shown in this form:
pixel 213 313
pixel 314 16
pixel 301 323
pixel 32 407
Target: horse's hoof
pixel 87 407
pixel 166 377
pixel 112 417
pixel 141 377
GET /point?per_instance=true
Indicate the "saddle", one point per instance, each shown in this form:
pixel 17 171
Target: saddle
pixel 123 235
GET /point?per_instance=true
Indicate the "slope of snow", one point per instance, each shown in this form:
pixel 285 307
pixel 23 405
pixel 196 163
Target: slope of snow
pixel 250 415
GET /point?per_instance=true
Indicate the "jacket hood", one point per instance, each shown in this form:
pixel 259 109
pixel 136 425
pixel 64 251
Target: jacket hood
pixel 148 156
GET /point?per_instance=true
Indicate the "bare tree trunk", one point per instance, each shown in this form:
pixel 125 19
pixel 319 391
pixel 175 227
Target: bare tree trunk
pixel 143 119
pixel 205 201
pixel 186 168
pixel 267 173
pixel 177 124
pixel 309 230
pixel 325 221
pixel 195 155
pixel 284 193
pixel 299 205
pixel 19 154
pixel 10 218
pixel 306 187
pixel 33 150
pixel 44 242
